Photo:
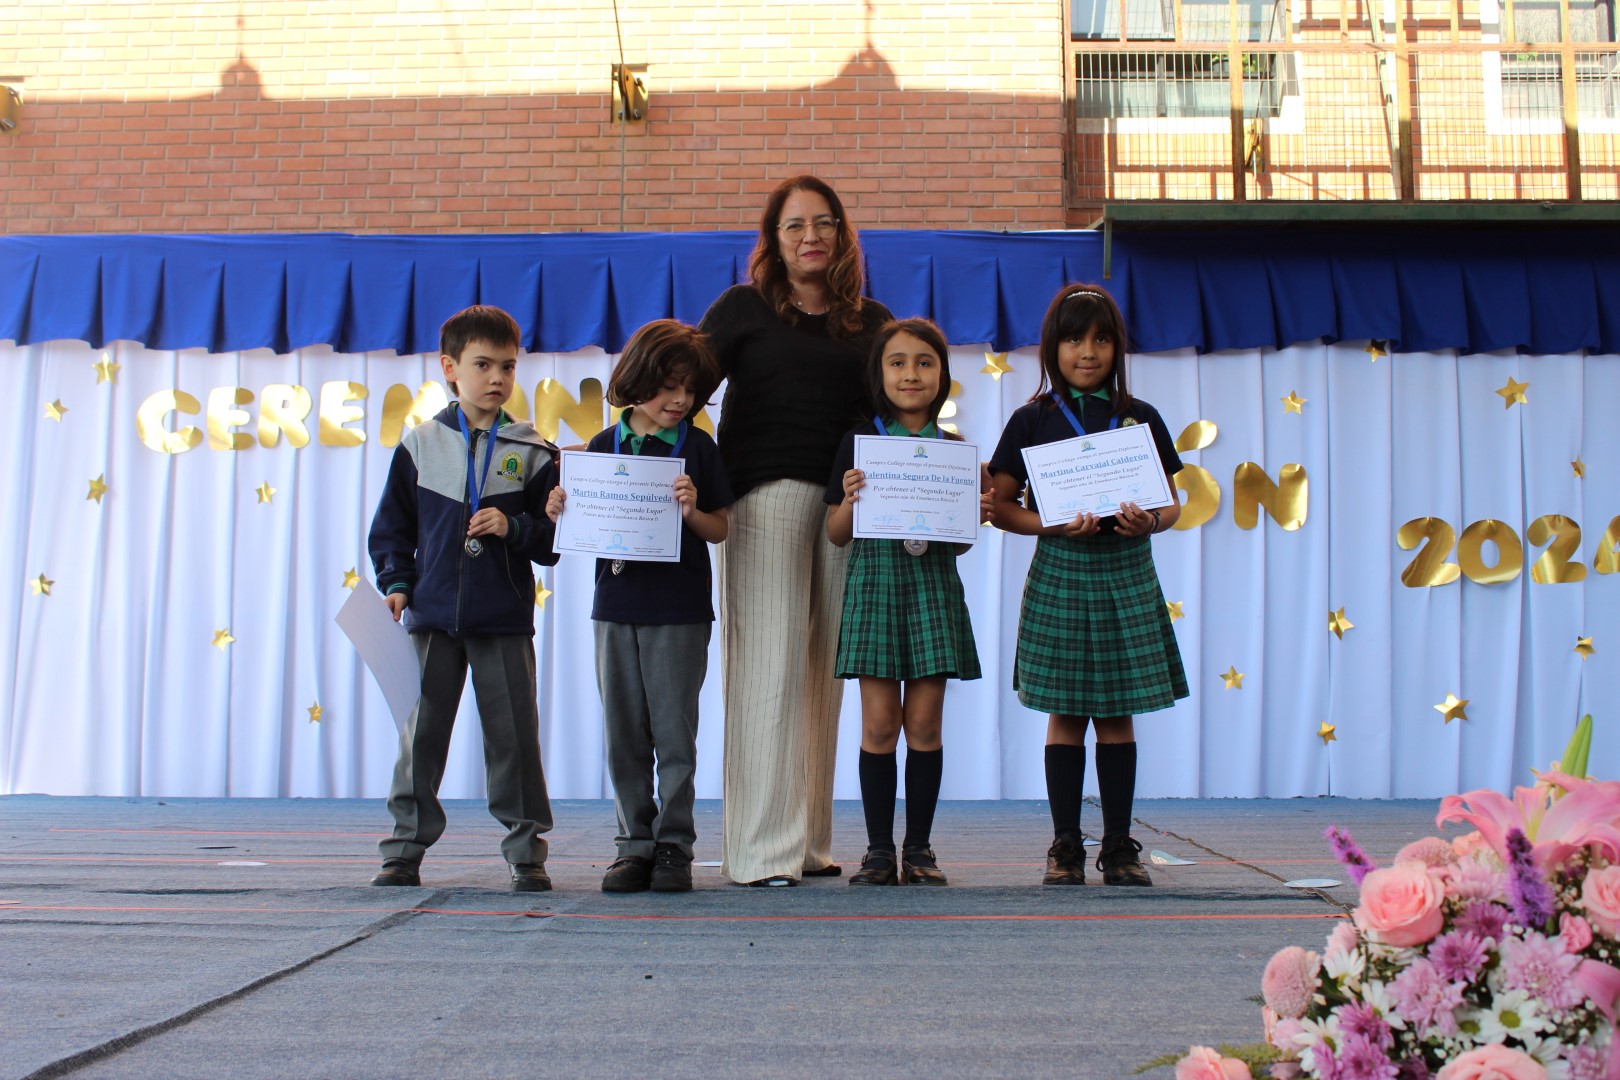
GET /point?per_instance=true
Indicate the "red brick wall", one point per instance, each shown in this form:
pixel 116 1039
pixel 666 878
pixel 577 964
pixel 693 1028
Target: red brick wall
pixel 493 115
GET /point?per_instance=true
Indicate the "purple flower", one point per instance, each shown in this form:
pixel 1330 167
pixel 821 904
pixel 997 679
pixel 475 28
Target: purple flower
pixel 1540 966
pixel 1587 1063
pixel 1361 1060
pixel 1484 918
pixel 1349 853
pixel 1414 1069
pixel 1460 955
pixel 1362 1021
pixel 1531 895
pixel 1424 999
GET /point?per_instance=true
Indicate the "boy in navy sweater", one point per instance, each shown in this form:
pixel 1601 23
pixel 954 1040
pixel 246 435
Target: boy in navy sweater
pixel 460 520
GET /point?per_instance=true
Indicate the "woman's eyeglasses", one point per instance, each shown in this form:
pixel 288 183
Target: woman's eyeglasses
pixel 824 227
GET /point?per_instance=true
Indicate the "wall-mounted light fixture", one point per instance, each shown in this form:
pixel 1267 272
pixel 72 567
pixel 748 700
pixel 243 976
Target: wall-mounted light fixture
pixel 11 105
pixel 629 103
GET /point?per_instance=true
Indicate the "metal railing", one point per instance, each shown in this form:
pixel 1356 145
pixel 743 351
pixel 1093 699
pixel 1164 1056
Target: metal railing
pixel 1412 114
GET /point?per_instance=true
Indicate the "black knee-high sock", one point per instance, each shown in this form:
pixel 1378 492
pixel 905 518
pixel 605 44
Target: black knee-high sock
pixel 1116 785
pixel 1065 781
pixel 879 776
pixel 923 771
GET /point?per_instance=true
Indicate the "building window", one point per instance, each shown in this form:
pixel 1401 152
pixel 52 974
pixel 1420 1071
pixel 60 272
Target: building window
pixel 1530 83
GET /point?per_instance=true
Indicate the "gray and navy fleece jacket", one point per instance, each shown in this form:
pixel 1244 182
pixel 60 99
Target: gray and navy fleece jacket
pixel 418 533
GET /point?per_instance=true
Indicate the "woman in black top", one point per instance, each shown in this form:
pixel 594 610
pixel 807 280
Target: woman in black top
pixel 792 345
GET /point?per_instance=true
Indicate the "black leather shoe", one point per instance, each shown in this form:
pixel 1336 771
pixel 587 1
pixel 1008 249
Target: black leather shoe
pixel 629 873
pixel 878 868
pixel 530 877
pixel 1119 863
pixel 672 869
pixel 917 867
pixel 1065 862
pixel 830 870
pixel 398 872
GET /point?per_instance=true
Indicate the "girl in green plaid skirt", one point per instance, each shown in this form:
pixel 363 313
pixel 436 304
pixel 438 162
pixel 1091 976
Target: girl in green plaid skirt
pixel 905 627
pixel 1095 643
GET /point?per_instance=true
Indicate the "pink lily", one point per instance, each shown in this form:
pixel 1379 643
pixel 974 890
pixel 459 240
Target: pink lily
pixel 1562 814
pixel 1601 983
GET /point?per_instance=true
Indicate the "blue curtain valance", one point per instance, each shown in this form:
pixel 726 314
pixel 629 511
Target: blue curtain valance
pixel 1481 291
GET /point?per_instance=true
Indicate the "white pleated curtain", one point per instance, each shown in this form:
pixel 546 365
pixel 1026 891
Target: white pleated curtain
pixel 112 684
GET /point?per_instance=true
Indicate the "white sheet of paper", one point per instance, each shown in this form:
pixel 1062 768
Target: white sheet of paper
pixel 620 506
pixel 1097 473
pixel 385 646
pixel 917 489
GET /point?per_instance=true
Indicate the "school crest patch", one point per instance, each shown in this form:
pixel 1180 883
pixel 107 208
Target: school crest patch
pixel 1129 421
pixel 512 467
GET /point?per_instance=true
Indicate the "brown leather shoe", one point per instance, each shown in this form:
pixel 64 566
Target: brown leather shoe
pixel 1119 863
pixel 530 877
pixel 629 873
pixel 917 867
pixel 877 868
pixel 1065 862
pixel 672 869
pixel 399 872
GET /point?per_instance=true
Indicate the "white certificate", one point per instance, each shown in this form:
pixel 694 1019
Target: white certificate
pixel 1096 473
pixel 385 646
pixel 620 506
pixel 917 489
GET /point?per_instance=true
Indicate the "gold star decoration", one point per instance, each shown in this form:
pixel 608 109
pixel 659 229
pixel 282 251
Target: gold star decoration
pixel 265 492
pixel 1513 393
pixel 1174 607
pixel 995 365
pixel 350 578
pixel 106 370
pixel 1452 708
pixel 1376 348
pixel 42 585
pixel 1339 624
pixel 1233 678
pixel 1578 467
pixel 540 594
pixel 1293 403
pixel 1584 646
pixel 1325 733
pixel 315 713
pixel 98 488
pixel 222 639
pixel 55 410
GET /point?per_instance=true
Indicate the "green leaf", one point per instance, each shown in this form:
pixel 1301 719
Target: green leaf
pixel 1578 750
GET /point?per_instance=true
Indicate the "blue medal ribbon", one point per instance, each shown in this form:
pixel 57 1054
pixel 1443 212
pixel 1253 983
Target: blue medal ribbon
pixel 1074 421
pixel 877 422
pixel 475 484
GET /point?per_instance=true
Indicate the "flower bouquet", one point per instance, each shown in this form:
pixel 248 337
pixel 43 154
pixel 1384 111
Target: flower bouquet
pixel 1491 956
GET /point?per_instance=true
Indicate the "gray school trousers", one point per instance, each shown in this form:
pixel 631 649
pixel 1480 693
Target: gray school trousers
pixel 650 677
pixel 504 686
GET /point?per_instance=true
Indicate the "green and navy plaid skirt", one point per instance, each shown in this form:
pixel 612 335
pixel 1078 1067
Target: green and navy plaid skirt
pixel 904 615
pixel 1094 636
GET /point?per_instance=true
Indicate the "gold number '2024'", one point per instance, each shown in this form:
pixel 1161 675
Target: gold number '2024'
pixel 1562 536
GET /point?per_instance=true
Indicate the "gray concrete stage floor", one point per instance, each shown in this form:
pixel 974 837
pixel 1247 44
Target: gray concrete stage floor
pixel 199 938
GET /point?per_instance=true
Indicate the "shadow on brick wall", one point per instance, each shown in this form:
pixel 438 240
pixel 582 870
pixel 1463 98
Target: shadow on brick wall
pixel 242 159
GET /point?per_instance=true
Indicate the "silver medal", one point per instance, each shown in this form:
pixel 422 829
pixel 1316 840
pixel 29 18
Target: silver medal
pixel 915 547
pixel 618 567
pixel 473 547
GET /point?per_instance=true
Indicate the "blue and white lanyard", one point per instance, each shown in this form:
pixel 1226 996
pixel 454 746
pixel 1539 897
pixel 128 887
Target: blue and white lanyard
pixel 877 422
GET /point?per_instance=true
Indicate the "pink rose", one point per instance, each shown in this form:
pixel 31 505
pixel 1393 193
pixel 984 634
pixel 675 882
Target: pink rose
pixel 1202 1063
pixel 1574 932
pixel 1401 905
pixel 1600 899
pixel 1290 980
pixel 1494 1062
